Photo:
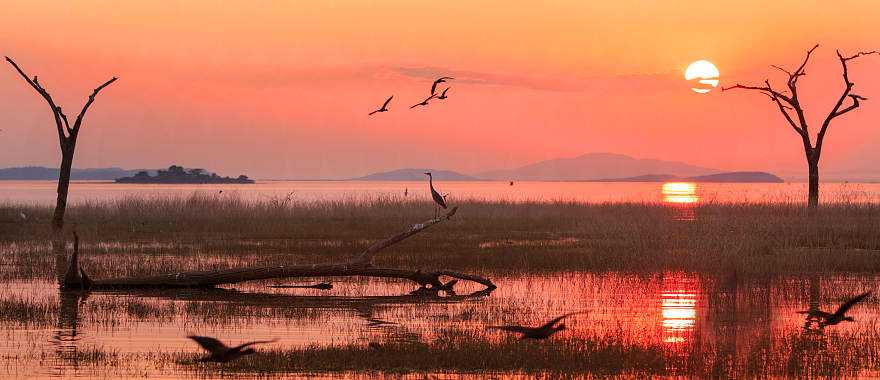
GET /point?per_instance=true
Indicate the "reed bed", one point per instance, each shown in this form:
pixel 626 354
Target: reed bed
pixel 202 231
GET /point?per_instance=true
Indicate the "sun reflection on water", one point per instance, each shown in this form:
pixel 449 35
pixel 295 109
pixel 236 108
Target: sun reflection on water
pixel 680 192
pixel 678 303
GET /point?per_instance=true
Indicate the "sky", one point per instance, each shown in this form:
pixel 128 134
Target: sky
pixel 281 89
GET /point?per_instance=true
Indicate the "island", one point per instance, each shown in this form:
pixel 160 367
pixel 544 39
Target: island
pixel 177 174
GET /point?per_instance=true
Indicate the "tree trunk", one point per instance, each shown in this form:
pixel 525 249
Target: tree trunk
pixel 63 185
pixel 813 196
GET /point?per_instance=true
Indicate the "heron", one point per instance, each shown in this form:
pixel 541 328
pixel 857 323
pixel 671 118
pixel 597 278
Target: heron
pixel 438 81
pixel 439 199
pixel 221 353
pixel 829 319
pixel 443 94
pixel 424 102
pixel 384 106
pixel 538 333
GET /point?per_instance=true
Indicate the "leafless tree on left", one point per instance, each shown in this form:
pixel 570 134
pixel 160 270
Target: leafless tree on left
pixel 67 136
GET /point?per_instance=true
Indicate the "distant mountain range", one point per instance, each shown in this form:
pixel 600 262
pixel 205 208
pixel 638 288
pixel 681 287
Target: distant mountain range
pixel 43 173
pixel 589 167
pixel 596 166
pixel 416 175
pixel 729 177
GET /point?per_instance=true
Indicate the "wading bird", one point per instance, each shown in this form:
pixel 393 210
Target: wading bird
pixel 443 94
pixel 540 332
pixel 830 319
pixel 434 194
pixel 438 81
pixel 384 106
pixel 424 102
pixel 221 353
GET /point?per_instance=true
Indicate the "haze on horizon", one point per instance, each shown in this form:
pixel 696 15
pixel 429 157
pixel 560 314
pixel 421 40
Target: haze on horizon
pixel 279 89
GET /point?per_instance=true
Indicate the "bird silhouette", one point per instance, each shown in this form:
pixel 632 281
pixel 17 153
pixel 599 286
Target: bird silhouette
pixel 438 81
pixel 439 199
pixel 830 319
pixel 443 94
pixel 221 353
pixel 541 332
pixel 384 106
pixel 424 102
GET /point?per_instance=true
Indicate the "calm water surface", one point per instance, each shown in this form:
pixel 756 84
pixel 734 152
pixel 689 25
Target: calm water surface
pixel 676 311
pixel 43 192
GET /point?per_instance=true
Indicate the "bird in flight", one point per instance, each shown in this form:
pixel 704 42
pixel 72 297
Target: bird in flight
pixel 384 106
pixel 830 319
pixel 443 94
pixel 439 199
pixel 221 353
pixel 424 102
pixel 438 81
pixel 541 332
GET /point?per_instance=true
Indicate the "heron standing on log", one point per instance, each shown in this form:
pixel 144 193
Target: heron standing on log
pixel 434 194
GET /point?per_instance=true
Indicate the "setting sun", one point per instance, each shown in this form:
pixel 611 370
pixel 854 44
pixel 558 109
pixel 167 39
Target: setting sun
pixel 703 74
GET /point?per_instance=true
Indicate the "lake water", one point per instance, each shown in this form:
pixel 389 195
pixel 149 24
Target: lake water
pixel 727 320
pixel 43 192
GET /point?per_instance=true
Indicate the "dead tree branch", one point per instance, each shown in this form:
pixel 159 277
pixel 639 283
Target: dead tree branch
pixel 361 266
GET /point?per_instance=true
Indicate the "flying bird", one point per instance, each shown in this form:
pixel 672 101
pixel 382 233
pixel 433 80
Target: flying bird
pixel 424 102
pixel 439 199
pixel 384 106
pixel 443 94
pixel 221 353
pixel 541 332
pixel 438 81
pixel 830 319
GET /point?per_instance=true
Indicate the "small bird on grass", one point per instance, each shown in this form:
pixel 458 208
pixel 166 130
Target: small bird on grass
pixel 830 319
pixel 539 333
pixel 221 353
pixel 384 106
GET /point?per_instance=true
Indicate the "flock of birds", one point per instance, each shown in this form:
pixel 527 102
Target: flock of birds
pixel 424 102
pixel 219 352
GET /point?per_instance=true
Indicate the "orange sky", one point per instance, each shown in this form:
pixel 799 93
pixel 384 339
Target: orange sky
pixel 281 88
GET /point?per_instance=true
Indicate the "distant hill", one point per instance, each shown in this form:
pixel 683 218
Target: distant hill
pixel 43 173
pixel 416 175
pixel 729 177
pixel 596 166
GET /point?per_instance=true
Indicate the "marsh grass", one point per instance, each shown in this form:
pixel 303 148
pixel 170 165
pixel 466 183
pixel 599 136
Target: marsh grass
pixel 28 311
pixel 151 235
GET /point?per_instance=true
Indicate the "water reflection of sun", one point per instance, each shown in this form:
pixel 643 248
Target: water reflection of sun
pixel 680 192
pixel 678 303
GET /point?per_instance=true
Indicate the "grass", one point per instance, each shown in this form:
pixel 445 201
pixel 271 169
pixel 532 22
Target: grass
pixel 161 234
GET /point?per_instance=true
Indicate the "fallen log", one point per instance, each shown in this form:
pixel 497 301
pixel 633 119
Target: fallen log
pixel 76 277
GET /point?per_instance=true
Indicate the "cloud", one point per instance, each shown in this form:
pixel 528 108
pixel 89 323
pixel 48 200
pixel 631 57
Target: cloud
pixel 558 83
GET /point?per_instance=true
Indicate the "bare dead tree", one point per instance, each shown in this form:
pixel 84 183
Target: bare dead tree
pixel 67 137
pixel 787 101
